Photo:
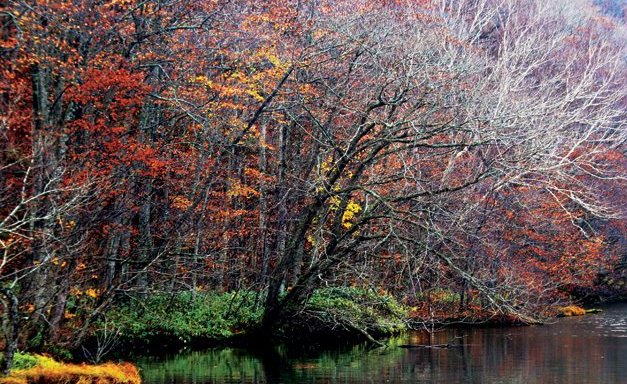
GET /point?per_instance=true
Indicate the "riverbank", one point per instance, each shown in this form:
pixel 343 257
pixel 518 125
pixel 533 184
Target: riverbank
pixel 552 353
pixel 200 319
pixel 164 323
pixel 44 370
pixel 32 368
pixel 197 320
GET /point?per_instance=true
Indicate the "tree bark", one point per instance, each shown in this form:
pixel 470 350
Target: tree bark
pixel 12 331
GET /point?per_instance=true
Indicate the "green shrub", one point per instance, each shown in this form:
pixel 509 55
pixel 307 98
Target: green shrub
pixel 356 307
pixel 23 360
pixel 186 317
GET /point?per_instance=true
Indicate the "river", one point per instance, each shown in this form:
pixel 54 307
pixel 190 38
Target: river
pixel 589 349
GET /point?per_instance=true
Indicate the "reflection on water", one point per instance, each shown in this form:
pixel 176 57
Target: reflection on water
pixel 590 349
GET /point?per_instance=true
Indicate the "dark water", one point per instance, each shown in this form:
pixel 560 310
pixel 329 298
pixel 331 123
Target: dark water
pixel 590 349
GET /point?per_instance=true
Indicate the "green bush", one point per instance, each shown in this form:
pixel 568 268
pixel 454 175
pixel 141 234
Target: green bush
pixel 23 360
pixel 362 308
pixel 186 317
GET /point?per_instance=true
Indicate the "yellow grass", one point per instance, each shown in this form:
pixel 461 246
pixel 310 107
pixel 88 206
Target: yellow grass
pixel 572 310
pixel 48 371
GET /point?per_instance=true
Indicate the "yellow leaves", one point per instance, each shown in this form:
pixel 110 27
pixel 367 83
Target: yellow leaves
pixel 255 94
pixel 56 261
pixel 204 80
pixel 239 190
pixel 269 54
pixel 180 202
pixel 325 166
pixel 254 76
pixel 244 84
pixel 68 225
pixel 237 75
pixel 93 293
pixel 68 315
pixel 89 292
pixel 351 210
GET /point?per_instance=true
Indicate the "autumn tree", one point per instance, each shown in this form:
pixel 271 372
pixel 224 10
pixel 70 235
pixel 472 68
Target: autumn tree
pixel 416 111
pixel 420 146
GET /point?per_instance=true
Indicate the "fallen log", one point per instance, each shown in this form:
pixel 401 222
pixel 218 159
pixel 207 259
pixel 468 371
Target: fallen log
pixel 448 345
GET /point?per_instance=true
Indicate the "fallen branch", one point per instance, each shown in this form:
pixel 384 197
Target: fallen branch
pixel 448 345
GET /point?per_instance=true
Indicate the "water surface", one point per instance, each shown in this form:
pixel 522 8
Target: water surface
pixel 590 349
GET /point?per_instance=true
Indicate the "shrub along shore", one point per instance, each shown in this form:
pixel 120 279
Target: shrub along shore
pixel 188 318
pixel 198 319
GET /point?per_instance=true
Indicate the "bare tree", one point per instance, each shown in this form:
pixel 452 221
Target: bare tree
pixel 413 120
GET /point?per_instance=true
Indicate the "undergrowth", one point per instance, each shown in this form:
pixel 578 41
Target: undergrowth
pixel 353 309
pixel 184 317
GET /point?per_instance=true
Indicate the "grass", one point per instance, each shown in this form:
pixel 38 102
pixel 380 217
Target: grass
pixel 572 310
pixel 24 360
pixel 48 371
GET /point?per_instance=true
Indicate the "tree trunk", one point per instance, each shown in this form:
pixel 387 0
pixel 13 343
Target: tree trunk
pixel 12 331
pixel 263 207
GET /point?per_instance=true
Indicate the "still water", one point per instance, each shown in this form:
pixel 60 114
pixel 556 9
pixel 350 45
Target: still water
pixel 590 349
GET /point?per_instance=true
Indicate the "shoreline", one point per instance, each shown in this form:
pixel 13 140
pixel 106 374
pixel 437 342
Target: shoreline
pixel 156 338
pixel 252 340
pixel 50 371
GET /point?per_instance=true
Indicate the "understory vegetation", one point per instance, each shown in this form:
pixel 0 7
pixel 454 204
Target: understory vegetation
pixel 185 316
pixel 202 318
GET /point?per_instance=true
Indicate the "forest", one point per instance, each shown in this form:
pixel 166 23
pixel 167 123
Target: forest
pixel 197 170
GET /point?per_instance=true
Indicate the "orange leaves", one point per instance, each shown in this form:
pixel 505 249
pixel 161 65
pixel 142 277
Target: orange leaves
pixel 546 246
pixel 240 190
pixel 232 214
pixel 91 292
pixel 180 202
pixel 115 85
pixel 145 155
pixel 119 4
